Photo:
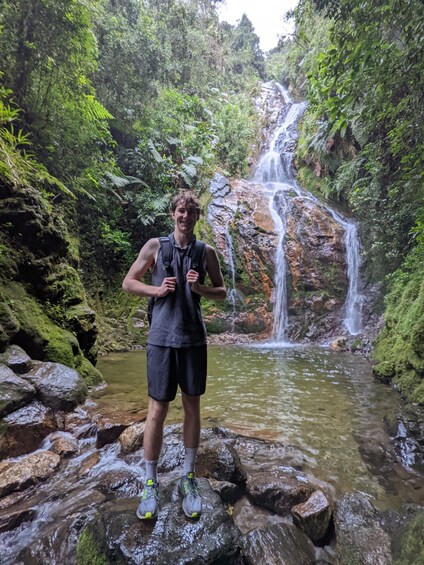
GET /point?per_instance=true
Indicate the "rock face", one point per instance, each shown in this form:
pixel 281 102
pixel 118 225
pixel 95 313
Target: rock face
pixel 14 391
pixel 280 544
pixel 40 253
pixel 25 429
pixel 360 538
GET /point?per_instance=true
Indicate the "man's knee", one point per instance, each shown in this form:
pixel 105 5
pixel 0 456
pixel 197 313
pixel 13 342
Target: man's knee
pixel 157 411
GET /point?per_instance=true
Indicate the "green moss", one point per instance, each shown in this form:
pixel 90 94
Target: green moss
pixel 64 285
pixel 89 373
pixel 412 543
pixel 399 349
pixel 89 551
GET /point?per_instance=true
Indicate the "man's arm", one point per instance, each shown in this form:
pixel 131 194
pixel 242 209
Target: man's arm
pixel 146 259
pixel 215 292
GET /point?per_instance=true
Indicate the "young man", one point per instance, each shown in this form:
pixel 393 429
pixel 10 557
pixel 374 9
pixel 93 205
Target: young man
pixel 176 350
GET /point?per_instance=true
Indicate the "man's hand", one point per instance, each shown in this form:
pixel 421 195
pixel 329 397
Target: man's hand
pixel 193 280
pixel 167 286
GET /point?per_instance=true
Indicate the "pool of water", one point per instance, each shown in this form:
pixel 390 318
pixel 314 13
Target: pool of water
pixel 325 403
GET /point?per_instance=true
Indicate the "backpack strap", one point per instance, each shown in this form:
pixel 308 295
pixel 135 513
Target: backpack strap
pixel 167 253
pixel 198 255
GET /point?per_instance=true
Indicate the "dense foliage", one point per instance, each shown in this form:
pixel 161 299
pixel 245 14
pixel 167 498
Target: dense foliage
pixel 123 103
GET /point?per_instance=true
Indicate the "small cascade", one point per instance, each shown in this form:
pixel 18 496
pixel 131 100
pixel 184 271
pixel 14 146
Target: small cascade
pixel 232 294
pixel 275 171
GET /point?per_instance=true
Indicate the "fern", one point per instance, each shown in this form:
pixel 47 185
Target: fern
pixel 154 152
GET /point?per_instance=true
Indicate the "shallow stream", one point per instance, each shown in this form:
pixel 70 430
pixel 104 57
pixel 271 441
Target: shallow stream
pixel 325 404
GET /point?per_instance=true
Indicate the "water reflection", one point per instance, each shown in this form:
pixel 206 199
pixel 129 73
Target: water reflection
pixel 325 403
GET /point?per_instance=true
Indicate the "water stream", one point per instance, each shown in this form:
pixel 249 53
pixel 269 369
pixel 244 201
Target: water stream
pixel 275 170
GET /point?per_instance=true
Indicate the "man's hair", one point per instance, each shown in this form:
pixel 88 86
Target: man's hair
pixel 187 199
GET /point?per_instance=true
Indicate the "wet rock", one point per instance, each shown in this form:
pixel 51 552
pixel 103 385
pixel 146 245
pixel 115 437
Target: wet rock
pixel 228 492
pixel 18 475
pixel 279 490
pixel 63 444
pixel 122 482
pixel 110 427
pixel 172 538
pixel 16 359
pixel 58 386
pixel 280 544
pixel 313 516
pixel 14 391
pixel 339 344
pixel 219 460
pixel 360 538
pixel 88 463
pixel 131 439
pixel 220 185
pixel 14 519
pixel 405 529
pixel 248 517
pixel 25 429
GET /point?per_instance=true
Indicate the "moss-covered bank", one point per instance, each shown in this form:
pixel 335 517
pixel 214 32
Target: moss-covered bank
pixel 399 350
pixel 43 306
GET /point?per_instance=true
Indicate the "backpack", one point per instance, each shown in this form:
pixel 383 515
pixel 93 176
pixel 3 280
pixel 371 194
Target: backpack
pixel 197 254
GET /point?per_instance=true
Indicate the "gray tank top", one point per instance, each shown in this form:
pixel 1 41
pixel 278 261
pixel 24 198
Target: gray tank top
pixel 177 318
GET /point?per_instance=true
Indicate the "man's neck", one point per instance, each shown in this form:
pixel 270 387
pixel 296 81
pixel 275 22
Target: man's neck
pixel 183 239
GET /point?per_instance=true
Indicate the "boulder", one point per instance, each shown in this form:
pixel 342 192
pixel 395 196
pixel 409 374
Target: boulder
pixel 172 538
pixel 25 429
pixel 131 438
pixel 313 516
pixel 58 386
pixel 63 444
pixel 279 544
pixel 112 425
pixel 279 490
pixel 360 538
pixel 219 460
pixel 18 475
pixel 248 517
pixel 14 391
pixel 16 359
pixel 228 492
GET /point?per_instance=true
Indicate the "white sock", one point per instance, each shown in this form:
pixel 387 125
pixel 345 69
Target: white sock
pixel 190 459
pixel 151 470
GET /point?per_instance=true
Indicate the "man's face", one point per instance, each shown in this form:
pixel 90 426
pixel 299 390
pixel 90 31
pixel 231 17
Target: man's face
pixel 185 218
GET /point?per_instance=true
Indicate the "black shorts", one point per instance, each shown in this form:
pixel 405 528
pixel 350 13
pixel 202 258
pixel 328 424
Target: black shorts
pixel 168 367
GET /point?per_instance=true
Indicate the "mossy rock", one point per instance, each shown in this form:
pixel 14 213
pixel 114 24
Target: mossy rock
pixel 40 337
pixel 89 373
pixel 412 543
pixel 64 285
pixel 89 551
pixel 9 325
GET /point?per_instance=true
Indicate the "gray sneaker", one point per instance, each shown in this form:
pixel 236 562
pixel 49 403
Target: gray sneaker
pixel 192 502
pixel 149 503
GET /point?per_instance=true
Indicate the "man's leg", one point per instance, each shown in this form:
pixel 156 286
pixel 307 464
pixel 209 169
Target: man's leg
pixel 153 436
pixel 153 432
pixel 192 502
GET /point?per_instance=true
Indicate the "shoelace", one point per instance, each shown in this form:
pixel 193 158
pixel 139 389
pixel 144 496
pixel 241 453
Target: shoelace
pixel 190 486
pixel 150 490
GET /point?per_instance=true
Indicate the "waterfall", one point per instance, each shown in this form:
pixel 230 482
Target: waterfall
pixel 275 171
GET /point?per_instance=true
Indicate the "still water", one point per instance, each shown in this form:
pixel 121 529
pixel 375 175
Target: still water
pixel 324 403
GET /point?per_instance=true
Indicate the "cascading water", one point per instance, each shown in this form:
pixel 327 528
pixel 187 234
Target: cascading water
pixel 275 171
pixel 232 294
